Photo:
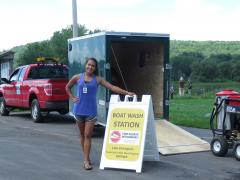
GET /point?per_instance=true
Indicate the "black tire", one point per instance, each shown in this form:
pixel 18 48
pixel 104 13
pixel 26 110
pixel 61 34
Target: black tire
pixel 36 112
pixel 45 113
pixel 63 111
pixel 219 146
pixel 237 151
pixel 3 108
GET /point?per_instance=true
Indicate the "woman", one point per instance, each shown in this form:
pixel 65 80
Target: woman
pixel 85 105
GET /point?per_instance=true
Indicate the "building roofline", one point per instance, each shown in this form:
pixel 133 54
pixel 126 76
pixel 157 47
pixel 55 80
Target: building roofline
pixel 5 53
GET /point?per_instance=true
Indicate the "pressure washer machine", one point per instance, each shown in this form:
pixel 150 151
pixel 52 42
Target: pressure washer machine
pixel 225 123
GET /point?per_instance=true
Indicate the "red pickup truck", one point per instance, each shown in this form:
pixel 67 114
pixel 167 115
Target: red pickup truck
pixel 39 87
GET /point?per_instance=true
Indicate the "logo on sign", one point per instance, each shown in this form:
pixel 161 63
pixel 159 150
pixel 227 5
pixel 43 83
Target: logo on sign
pixel 115 136
pixel 231 109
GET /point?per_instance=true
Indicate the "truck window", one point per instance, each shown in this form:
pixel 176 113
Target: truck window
pixel 14 75
pixel 20 78
pixel 48 72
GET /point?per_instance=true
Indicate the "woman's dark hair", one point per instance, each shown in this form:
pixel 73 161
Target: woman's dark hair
pixel 96 64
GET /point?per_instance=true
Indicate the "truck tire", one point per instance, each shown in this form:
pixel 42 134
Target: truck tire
pixel 3 109
pixel 36 112
pixel 219 146
pixel 63 111
pixel 237 151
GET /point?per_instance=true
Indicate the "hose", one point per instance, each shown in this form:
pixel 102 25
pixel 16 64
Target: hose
pixel 215 112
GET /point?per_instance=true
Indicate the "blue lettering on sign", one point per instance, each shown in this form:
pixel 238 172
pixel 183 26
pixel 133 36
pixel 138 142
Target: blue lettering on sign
pixel 231 109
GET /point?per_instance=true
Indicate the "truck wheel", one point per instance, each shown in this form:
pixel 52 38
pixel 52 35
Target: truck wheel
pixel 237 151
pixel 63 111
pixel 36 112
pixel 3 109
pixel 219 146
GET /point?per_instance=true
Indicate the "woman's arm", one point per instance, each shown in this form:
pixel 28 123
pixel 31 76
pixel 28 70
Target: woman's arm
pixel 69 85
pixel 113 88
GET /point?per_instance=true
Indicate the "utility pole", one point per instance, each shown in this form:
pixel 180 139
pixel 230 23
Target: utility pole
pixel 74 15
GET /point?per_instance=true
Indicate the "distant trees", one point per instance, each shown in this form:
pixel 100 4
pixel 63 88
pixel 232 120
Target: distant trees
pixel 57 46
pixel 216 67
pixel 183 64
pixel 205 61
pixel 32 51
pixel 206 48
pixel 59 43
pixel 236 71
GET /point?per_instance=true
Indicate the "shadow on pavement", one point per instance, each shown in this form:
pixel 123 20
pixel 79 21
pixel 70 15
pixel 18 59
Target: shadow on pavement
pixel 53 118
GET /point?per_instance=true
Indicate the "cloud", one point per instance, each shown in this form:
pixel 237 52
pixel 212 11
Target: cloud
pixel 184 19
pixel 108 3
pixel 27 21
pixel 203 20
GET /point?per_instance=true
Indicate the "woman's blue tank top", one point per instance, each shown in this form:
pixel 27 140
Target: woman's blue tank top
pixel 86 92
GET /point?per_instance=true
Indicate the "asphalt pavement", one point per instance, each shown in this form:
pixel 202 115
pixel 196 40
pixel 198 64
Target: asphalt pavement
pixel 51 151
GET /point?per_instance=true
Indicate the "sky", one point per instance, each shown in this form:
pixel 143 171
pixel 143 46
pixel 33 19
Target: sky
pixel 27 21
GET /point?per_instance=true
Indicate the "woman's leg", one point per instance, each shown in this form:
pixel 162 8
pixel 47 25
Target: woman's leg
pixel 81 126
pixel 89 126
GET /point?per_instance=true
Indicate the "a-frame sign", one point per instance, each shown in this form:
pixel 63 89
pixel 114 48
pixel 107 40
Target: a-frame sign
pixel 130 134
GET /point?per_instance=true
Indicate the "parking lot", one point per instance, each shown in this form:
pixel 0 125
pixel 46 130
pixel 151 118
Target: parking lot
pixel 51 151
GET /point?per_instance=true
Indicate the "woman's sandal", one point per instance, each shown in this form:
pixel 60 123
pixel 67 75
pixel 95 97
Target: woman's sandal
pixel 87 165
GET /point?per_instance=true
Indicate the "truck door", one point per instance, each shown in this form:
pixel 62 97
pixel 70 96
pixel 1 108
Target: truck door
pixel 20 87
pixel 12 90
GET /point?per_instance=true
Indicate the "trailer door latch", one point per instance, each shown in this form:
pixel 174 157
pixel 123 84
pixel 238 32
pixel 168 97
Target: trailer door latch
pixel 168 66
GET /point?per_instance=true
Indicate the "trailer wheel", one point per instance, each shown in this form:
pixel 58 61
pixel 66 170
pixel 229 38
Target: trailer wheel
pixel 219 146
pixel 237 151
pixel 3 108
pixel 36 112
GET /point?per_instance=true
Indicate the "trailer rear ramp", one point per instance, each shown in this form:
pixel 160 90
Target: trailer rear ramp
pixel 171 139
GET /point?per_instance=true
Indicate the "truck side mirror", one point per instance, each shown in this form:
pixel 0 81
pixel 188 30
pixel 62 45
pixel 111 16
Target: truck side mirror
pixel 5 80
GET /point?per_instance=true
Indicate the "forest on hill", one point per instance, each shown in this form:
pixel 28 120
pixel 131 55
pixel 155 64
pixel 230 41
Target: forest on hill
pixel 206 48
pixel 205 61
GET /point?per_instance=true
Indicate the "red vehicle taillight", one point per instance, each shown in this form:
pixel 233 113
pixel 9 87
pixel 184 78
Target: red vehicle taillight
pixel 48 89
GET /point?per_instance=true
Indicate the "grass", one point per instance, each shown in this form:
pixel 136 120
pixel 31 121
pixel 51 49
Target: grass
pixel 195 110
pixel 191 111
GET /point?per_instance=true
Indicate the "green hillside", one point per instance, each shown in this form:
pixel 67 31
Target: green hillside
pixel 204 47
pixel 205 61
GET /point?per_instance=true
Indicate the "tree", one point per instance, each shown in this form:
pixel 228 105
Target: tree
pixel 236 72
pixel 224 70
pixel 205 71
pixel 94 31
pixel 218 58
pixel 57 46
pixel 182 64
pixel 59 43
pixel 32 51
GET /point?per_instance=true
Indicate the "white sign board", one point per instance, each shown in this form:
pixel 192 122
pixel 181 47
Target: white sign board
pixel 130 134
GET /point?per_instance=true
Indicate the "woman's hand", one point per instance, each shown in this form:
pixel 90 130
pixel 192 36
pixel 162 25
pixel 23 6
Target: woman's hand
pixel 75 99
pixel 131 93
